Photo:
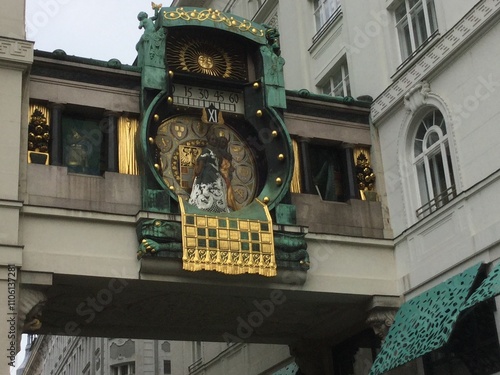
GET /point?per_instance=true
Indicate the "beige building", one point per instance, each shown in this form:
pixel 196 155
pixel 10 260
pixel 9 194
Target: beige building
pixel 420 240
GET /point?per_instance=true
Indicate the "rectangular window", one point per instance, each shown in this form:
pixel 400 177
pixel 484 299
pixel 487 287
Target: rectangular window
pixel 327 168
pixel 167 367
pixel 323 10
pixel 338 83
pixel 123 369
pixel 415 23
pixel 82 140
pixel 327 171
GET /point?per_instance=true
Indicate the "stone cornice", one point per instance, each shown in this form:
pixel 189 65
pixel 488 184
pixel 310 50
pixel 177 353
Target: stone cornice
pixel 16 53
pixel 463 32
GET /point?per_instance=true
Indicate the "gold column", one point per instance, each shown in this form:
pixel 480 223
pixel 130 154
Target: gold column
pixel 295 186
pixel 127 135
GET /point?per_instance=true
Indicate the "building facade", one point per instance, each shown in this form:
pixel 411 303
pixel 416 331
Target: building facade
pixel 396 191
pixel 429 65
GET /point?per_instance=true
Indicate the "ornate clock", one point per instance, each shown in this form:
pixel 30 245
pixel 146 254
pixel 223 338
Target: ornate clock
pixel 215 145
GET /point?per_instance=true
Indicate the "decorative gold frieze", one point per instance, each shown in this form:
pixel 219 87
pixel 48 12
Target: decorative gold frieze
pixel 213 16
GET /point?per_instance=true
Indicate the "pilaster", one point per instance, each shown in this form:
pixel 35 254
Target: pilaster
pixel 16 57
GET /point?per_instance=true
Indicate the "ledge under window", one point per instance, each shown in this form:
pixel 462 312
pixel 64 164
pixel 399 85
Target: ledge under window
pixel 415 55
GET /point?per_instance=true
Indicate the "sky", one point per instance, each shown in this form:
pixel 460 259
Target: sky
pixel 98 29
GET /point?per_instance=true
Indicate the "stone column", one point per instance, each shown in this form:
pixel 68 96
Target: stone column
pixel 305 163
pixel 111 140
pixel 56 144
pixel 350 189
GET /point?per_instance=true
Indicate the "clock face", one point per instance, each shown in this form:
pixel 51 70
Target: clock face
pixel 227 100
pixel 183 141
pixel 211 91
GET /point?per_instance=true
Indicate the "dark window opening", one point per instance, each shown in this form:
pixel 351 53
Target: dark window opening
pixel 327 173
pixel 82 145
pixel 167 367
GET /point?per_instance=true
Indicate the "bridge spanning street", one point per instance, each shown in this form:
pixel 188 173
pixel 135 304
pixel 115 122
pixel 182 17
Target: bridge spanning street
pixel 86 266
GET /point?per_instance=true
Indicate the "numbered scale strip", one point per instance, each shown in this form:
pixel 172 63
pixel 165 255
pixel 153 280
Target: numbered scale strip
pixel 192 96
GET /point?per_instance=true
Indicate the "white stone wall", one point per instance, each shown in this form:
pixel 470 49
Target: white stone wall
pixel 466 88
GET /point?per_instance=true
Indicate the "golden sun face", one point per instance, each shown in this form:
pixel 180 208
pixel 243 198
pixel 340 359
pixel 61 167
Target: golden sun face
pixel 205 62
pixel 205 56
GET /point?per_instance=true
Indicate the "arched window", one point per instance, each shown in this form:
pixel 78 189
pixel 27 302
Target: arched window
pixel 433 164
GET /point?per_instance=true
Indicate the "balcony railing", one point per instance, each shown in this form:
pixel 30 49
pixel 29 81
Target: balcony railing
pixel 439 201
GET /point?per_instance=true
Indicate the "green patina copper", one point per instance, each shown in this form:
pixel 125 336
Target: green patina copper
pixel 273 77
pixel 151 46
pixel 263 127
pixel 425 323
pixel 489 288
pixel 151 53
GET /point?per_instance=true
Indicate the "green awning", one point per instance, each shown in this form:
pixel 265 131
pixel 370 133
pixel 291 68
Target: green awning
pixel 425 322
pixel 489 288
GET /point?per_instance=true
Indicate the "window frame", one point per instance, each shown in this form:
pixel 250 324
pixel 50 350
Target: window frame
pixel 324 10
pixel 429 182
pixel 411 43
pixel 118 368
pixel 332 87
pixel 167 366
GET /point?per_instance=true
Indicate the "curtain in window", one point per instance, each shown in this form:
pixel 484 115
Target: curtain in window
pixel 295 186
pixel 127 135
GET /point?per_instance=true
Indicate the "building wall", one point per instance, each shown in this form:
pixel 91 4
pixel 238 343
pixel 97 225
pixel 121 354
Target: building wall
pixel 69 355
pixel 16 55
pixel 466 91
pixel 428 251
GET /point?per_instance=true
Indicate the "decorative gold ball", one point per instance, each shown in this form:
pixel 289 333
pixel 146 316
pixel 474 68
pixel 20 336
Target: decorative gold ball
pixel 259 113
pixel 266 200
pixel 281 157
pixel 156 117
pixel 170 100
pixel 274 133
pixel 157 223
pixel 171 187
pixel 279 181
pixel 170 73
pixel 151 140
pixel 256 85
pixel 157 167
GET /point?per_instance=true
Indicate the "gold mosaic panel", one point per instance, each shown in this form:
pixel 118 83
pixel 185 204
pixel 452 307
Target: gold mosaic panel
pixel 228 245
